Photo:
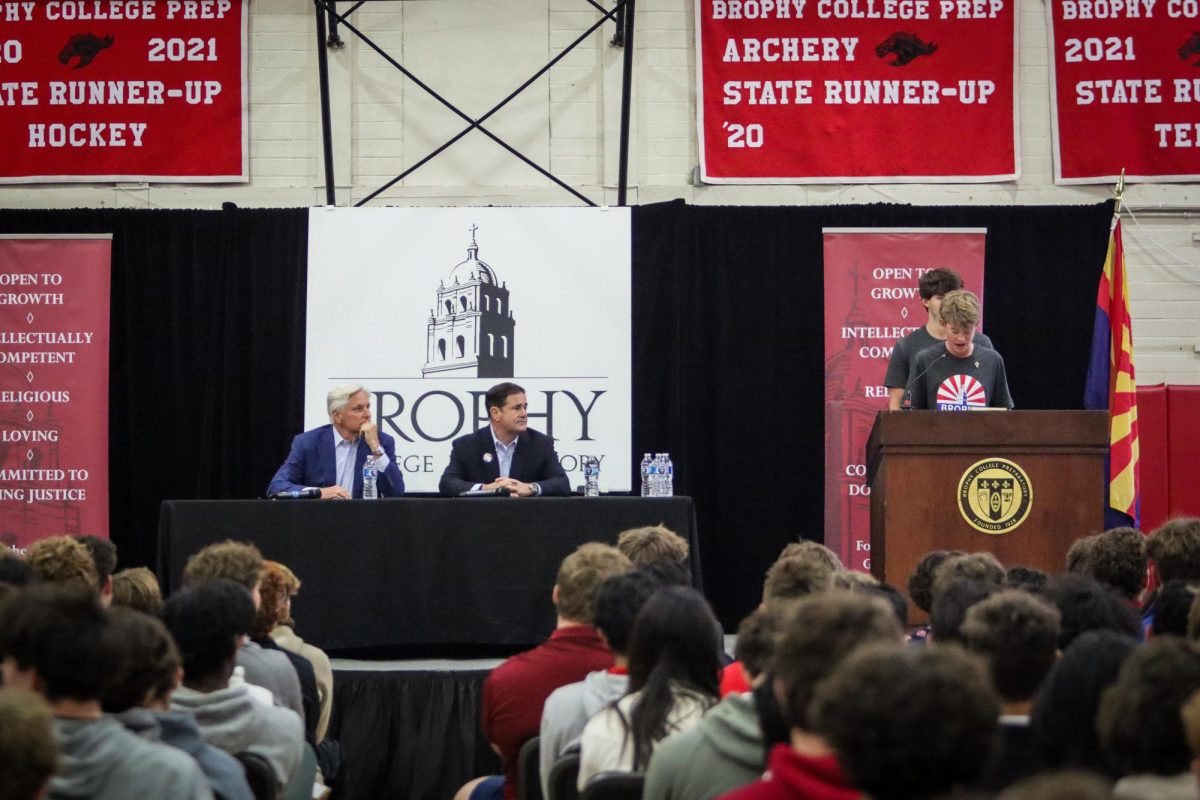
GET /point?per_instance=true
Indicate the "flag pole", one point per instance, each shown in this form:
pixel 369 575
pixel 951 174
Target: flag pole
pixel 1118 192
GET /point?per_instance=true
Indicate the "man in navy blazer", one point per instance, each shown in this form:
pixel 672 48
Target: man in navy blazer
pixel 506 453
pixel 332 456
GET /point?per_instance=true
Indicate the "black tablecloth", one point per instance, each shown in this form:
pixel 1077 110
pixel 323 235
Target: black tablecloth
pixel 418 575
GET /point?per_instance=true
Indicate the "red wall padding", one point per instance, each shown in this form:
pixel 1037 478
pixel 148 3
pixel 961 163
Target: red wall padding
pixel 1153 454
pixel 1169 446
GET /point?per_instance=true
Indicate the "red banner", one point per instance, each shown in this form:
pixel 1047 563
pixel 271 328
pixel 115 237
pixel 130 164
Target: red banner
pixel 1125 78
pixel 128 90
pixel 856 91
pixel 54 294
pixel 871 300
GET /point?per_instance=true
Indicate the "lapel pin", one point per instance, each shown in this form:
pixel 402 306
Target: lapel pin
pixel 487 458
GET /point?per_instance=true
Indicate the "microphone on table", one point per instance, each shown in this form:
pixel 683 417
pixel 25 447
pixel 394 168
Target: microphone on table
pixel 499 491
pixel 297 494
pixel 906 401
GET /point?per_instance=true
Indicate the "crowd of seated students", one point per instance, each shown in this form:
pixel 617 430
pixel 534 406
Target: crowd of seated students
pixel 1023 685
pixel 108 692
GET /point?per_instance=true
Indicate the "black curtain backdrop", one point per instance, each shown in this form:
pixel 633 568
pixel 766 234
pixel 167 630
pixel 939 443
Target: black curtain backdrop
pixel 207 353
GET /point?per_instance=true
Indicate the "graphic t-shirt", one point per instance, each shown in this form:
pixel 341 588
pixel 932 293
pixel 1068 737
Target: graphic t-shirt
pixel 906 349
pixel 959 384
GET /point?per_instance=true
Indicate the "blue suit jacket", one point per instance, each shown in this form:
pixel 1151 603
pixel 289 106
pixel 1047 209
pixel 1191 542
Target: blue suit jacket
pixel 311 463
pixel 534 461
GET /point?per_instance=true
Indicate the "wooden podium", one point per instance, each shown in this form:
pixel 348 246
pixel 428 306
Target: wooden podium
pixel 926 478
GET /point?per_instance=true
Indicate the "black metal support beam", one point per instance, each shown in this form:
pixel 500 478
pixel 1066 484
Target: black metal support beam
pixel 626 100
pixel 326 119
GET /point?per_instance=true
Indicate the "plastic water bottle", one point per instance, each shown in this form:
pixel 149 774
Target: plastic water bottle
pixel 646 467
pixel 656 488
pixel 591 476
pixel 668 477
pixel 370 490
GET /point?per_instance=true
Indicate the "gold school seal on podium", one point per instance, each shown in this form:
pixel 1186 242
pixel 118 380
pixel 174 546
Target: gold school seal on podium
pixel 995 496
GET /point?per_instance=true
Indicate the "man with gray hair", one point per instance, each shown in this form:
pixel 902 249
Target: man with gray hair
pixel 331 458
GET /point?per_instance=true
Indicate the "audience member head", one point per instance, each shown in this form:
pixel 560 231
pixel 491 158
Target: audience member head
pixel 276 590
pixel 756 638
pixel 1085 605
pixel 920 582
pixel 1117 559
pixel 1175 548
pixel 894 598
pixel 618 602
pixel 56 640
pixel 207 622
pixel 27 747
pixel 652 543
pixel 1027 578
pixel 151 667
pixel 1140 721
pixel 1016 633
pixel 1077 555
pixel 1191 727
pixel 852 581
pixel 795 577
pixel 104 559
pixel 137 588
pixel 818 633
pixel 816 551
pixel 15 570
pixel 980 566
pixel 908 723
pixel 669 573
pixel 952 599
pixel 61 559
pixel 1171 608
pixel 579 578
pixel 239 562
pixel 675 644
pixel 1063 723
pixel 1074 784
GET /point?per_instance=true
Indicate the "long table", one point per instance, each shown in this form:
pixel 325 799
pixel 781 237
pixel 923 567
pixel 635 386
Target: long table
pixel 418 575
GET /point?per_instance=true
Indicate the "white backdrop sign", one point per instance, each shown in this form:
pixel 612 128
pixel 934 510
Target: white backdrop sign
pixel 428 307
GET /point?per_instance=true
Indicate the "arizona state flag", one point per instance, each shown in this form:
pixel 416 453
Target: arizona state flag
pixel 1111 385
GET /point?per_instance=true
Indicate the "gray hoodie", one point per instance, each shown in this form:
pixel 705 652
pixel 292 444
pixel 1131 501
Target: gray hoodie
pixel 721 753
pixel 228 719
pixel 178 729
pixel 568 709
pixel 103 761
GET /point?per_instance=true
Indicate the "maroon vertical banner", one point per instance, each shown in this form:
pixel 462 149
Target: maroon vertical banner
pixel 54 298
pixel 871 300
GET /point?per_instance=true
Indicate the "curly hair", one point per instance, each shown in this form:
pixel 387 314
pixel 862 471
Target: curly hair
pixel 920 582
pixel 1139 722
pixel 61 559
pixel 279 584
pixel 1017 634
pixel 1116 558
pixel 580 575
pixel 652 543
pixel 240 562
pixel 27 747
pixel 796 576
pixel 981 566
pixel 1175 548
pixel 908 722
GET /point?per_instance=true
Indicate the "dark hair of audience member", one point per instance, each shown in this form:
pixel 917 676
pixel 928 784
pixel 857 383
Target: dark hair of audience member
pixel 1175 548
pixel 1085 605
pixel 137 588
pixel 669 573
pixel 1027 578
pixel 1117 559
pixel 893 597
pixel 1074 784
pixel 618 602
pixel 1191 723
pixel 1016 633
pixel 794 577
pixel 1175 599
pixel 774 726
pixel 150 662
pixel 982 566
pixel 1063 723
pixel 15 570
pixel 1077 555
pixel 817 635
pixel 815 551
pixel 908 723
pixel 953 599
pixel 27 747
pixel 103 553
pixel 61 632
pixel 920 582
pixel 206 621
pixel 1140 721
pixel 757 635
pixel 675 644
